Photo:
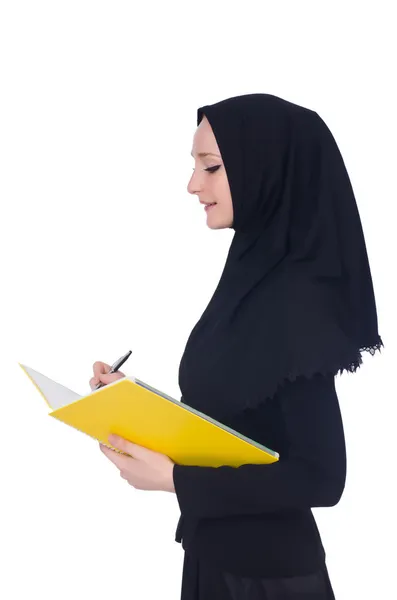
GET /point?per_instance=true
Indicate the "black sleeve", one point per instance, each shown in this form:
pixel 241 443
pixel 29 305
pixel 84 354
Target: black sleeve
pixel 312 475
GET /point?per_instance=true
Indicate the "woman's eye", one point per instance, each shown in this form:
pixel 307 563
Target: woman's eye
pixel 212 169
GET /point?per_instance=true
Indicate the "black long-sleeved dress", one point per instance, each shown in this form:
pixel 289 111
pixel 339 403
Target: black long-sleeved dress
pixel 249 532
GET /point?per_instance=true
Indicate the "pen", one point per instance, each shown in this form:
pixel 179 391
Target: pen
pixel 115 367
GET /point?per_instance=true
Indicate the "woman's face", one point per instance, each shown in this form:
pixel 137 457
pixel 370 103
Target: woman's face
pixel 209 180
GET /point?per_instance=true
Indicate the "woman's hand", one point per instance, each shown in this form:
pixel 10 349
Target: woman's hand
pixel 101 374
pixel 144 469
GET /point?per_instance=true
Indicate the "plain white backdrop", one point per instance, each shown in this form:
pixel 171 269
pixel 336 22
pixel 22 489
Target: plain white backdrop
pixel 103 250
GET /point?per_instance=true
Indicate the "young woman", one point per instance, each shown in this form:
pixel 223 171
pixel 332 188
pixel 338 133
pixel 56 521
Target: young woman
pixel 294 307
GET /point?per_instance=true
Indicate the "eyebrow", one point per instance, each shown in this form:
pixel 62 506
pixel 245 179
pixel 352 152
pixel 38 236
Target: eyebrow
pixel 204 154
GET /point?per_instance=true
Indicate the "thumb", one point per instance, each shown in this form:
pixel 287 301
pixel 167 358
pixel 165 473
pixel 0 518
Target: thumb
pixel 128 447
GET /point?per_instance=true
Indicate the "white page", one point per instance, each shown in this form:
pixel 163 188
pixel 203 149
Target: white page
pixel 57 395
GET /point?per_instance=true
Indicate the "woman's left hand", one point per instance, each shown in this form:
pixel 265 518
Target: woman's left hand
pixel 144 469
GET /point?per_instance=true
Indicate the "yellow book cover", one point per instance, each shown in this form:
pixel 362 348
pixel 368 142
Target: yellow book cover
pixel 145 416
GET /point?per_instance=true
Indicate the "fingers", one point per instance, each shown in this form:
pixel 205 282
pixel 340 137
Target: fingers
pixel 99 368
pixel 101 374
pixel 120 460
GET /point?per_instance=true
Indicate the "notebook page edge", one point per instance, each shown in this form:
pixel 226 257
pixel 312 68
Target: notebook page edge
pixel 209 419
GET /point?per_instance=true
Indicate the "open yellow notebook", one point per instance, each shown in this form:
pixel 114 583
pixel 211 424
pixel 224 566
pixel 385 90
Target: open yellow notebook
pixel 138 412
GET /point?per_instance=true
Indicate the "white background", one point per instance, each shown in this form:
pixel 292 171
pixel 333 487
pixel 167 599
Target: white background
pixel 103 250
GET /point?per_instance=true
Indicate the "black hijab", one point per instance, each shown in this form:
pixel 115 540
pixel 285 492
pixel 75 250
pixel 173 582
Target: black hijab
pixel 295 296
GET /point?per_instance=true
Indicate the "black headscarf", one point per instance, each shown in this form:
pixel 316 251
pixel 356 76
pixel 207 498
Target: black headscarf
pixel 295 296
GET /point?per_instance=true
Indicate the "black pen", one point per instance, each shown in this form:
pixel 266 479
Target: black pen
pixel 115 367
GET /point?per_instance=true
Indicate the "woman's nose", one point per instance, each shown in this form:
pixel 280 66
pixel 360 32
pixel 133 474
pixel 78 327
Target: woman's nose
pixel 194 186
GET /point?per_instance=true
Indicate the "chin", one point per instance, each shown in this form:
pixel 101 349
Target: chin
pixel 218 225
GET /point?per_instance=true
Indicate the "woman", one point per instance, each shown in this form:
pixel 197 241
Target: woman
pixel 293 308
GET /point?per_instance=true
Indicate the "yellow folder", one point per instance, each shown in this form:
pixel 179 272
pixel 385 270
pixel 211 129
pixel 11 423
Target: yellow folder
pixel 145 416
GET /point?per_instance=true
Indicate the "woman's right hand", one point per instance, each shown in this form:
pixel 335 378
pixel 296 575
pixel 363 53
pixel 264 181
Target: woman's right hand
pixel 101 374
